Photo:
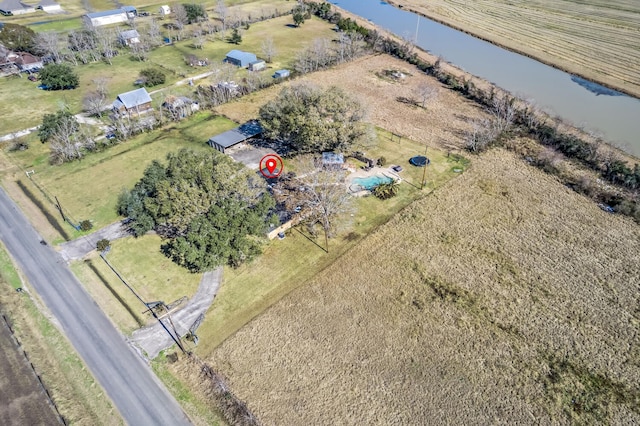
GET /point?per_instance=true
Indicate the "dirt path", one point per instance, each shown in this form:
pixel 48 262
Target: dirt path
pixel 80 247
pixel 154 338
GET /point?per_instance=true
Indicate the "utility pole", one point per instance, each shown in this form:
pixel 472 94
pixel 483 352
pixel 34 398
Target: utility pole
pixel 176 340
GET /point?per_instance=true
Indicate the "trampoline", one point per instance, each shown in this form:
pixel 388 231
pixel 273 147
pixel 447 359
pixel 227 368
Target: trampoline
pixel 419 161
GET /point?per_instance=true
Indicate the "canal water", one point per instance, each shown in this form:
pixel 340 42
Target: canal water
pixel 614 115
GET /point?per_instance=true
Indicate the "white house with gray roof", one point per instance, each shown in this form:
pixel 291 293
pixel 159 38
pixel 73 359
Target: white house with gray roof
pixel 131 103
pixel 15 7
pixel 108 17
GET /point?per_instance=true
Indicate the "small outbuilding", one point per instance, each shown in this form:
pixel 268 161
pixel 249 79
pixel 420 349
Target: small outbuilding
pixel 225 140
pixel 28 62
pixel 258 65
pixel 165 10
pixel 134 102
pixel 332 160
pixel 49 6
pixel 129 37
pixel 240 58
pixel 281 74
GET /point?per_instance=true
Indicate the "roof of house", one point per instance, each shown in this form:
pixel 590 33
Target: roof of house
pixel 25 58
pixel 132 99
pixel 103 13
pixel 129 34
pixel 237 135
pixel 332 158
pixel 45 3
pixel 11 5
pixel 241 56
pixel 129 9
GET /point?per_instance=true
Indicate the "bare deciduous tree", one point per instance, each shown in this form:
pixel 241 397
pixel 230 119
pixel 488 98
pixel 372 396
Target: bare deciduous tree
pixel 198 38
pixel 316 195
pixel 268 49
pixel 67 142
pixel 180 18
pixel 503 109
pixel 153 33
pixel 482 134
pixel 223 14
pixel 426 92
pixel 95 102
pixel 49 43
pixel 106 41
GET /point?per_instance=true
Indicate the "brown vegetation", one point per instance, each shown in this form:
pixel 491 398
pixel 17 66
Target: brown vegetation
pixel 504 296
pixel 597 40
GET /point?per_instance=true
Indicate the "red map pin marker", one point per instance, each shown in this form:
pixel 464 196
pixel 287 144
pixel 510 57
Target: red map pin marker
pixel 271 165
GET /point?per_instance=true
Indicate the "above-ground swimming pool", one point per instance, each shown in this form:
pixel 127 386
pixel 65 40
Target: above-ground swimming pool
pixel 371 181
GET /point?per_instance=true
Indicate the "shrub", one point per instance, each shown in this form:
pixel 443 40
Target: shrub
pixel 381 161
pixel 152 77
pixel 86 225
pixel 103 245
pixel 59 77
pixel 386 190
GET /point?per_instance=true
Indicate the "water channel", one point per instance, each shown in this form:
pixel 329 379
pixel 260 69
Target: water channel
pixel 614 115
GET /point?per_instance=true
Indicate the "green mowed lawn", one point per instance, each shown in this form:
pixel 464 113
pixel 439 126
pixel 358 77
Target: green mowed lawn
pixel 287 264
pixel 89 188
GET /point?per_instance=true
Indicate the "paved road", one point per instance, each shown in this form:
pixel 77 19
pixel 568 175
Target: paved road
pixel 154 338
pixel 136 392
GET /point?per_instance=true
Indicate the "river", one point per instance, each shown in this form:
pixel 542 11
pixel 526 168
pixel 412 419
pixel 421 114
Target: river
pixel 612 114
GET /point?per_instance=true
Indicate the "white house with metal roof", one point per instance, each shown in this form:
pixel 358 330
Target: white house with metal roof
pixel 15 7
pixel 134 102
pixel 108 17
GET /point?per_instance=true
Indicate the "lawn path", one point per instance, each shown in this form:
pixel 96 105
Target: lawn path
pixel 154 338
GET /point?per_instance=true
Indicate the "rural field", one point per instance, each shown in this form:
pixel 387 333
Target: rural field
pixel 71 386
pixel 503 297
pixel 594 39
pixel 23 401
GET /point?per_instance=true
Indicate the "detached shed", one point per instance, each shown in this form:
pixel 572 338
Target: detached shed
pixel 248 130
pixel 49 6
pixel 257 65
pixel 240 58
pixel 281 74
pixel 165 10
pixel 129 37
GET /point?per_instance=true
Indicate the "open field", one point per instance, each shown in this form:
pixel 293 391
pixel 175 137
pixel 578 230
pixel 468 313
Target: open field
pixel 501 297
pixel 78 398
pixel 22 400
pixel 594 39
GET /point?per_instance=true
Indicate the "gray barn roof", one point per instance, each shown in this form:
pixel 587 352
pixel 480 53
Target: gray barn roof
pixel 132 99
pixel 93 15
pixel 237 135
pixel 11 5
pixel 129 34
pixel 244 57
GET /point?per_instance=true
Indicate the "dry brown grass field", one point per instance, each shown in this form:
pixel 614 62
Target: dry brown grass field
pixel 440 123
pixel 595 39
pixel 503 297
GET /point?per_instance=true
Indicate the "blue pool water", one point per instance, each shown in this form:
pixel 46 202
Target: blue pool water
pixel 371 181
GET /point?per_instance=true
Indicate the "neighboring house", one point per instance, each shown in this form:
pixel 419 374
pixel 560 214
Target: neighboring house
pixel 281 74
pixel 134 102
pixel 108 17
pixel 165 10
pixel 240 58
pixel 225 140
pixel 332 160
pixel 257 65
pixel 129 37
pixel 180 106
pixel 15 7
pixel 28 62
pixel 49 6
